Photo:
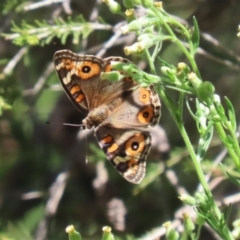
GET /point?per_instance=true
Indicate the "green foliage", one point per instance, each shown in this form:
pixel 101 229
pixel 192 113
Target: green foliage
pixel 41 33
pixel 195 35
pixel 3 105
pixel 13 5
pixel 152 30
pixel 24 228
pixel 209 111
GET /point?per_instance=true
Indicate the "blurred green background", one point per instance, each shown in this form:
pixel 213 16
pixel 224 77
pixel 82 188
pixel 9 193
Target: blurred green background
pixel 53 175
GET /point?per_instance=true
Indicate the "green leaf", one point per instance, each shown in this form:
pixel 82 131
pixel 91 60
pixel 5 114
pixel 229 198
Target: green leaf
pixel 15 28
pixel 76 36
pixel 228 212
pixel 231 114
pixel 220 117
pixel 86 31
pixel 190 110
pixel 3 105
pixel 49 39
pixel 229 141
pixel 204 142
pixel 64 37
pixel 205 92
pixel 195 35
pixel 9 6
pixel 233 179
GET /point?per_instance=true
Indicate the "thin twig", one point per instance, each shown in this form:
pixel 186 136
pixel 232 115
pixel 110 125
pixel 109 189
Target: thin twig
pixel 44 3
pixel 55 194
pixel 95 11
pixel 40 82
pixel 14 61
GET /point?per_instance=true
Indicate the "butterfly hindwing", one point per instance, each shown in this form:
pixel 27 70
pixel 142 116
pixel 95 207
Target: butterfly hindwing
pixel 126 150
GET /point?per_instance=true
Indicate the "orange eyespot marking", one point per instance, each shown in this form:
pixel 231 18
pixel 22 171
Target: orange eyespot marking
pixel 112 148
pixel 107 139
pixel 144 95
pixel 108 68
pixel 68 63
pixel 80 97
pixel 88 70
pixel 75 89
pixel 135 145
pixel 132 163
pixel 146 115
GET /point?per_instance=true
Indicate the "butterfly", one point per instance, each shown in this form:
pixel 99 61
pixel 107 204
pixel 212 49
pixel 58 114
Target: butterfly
pixel 120 112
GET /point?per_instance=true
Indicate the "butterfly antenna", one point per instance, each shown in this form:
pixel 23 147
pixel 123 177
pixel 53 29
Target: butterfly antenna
pixel 75 125
pixel 82 127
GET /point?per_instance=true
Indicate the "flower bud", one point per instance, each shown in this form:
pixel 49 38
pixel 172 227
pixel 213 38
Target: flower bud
pixel 114 6
pixel 194 80
pixel 191 201
pixel 236 233
pixel 130 13
pixel 171 234
pixel 236 223
pixel 202 201
pixel 158 4
pixel 188 223
pixel 200 220
pixel 236 230
pixel 182 70
pixel 107 233
pixel 133 26
pixel 131 49
pixel 72 234
pixel 205 92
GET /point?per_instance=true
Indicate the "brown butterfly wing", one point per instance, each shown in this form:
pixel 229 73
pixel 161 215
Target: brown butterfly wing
pixel 79 76
pixel 140 109
pixel 81 79
pixel 126 150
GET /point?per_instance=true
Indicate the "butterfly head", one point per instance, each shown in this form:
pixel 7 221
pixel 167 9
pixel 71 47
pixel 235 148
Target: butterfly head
pixel 96 116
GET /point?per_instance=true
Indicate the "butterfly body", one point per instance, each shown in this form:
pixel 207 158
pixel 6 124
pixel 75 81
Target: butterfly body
pixel 120 112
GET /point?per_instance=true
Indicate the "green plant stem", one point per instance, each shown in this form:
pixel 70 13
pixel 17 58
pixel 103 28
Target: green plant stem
pixel 181 99
pixel 156 51
pixel 214 216
pixel 197 236
pixel 188 144
pixel 235 144
pixel 215 210
pixel 234 150
pixel 151 63
pixel 179 43
pixel 230 149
